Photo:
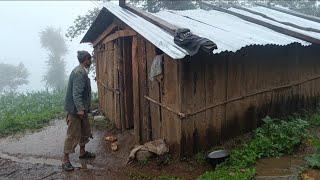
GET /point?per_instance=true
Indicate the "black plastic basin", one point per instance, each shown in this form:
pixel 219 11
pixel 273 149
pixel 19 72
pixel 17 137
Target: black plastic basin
pixel 217 157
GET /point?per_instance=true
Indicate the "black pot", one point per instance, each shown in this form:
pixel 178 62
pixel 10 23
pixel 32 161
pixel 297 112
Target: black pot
pixel 217 157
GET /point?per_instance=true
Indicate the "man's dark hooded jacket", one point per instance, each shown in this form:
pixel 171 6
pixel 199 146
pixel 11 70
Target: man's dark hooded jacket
pixel 78 95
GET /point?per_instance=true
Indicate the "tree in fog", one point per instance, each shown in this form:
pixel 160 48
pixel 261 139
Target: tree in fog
pixel 81 23
pixel 53 41
pixel 12 76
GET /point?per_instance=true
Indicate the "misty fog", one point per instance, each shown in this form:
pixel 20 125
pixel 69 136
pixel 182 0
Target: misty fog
pixel 21 23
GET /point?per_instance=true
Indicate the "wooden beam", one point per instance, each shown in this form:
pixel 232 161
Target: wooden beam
pixel 122 3
pixel 111 27
pixel 265 24
pixel 170 28
pixel 119 34
pixel 135 87
pixel 305 16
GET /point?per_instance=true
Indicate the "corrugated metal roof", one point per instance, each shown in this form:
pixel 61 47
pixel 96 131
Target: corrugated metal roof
pixel 229 32
pixel 151 32
pixel 285 18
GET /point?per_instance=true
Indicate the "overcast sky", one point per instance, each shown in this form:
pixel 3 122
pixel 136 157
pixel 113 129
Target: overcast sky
pixel 21 22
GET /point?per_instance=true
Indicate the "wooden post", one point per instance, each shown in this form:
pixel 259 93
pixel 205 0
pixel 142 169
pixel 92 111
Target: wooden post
pixel 135 86
pixel 122 3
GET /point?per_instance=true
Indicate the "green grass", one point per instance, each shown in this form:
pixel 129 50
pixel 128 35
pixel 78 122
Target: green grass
pixel 28 111
pixel 166 177
pixel 313 160
pixel 315 118
pixel 273 139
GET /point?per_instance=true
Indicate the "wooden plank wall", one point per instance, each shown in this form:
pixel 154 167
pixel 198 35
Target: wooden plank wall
pixel 204 83
pixel 151 121
pixel 189 85
pixel 171 97
pixel 107 74
pixel 127 78
pixel 210 80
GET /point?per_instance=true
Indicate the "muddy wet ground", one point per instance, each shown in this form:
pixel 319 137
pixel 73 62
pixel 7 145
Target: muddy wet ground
pixel 37 155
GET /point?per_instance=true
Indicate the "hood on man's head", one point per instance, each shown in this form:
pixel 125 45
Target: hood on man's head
pixel 82 55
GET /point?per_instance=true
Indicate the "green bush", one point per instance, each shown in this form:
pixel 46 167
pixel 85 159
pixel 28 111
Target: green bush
pixel 274 138
pixel 314 159
pixel 229 173
pixel 19 112
pixel 315 119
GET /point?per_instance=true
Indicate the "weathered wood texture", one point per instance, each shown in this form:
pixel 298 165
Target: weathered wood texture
pixel 152 121
pixel 265 72
pixel 127 82
pixel 241 88
pixel 113 55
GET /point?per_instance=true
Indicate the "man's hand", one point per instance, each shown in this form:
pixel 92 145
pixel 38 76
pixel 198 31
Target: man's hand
pixel 80 114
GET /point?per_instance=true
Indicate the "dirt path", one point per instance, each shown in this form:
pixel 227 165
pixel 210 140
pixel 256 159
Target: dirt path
pixel 18 170
pixel 37 156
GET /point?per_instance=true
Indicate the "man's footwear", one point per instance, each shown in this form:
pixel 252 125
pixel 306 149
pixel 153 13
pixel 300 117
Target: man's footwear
pixel 67 166
pixel 87 155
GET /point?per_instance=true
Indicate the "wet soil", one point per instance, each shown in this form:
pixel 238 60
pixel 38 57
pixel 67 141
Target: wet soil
pixel 176 169
pixel 310 174
pixel 289 166
pixel 37 155
pixel 18 170
pixel 286 167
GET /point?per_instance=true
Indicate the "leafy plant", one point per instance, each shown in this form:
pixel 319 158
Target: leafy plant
pixel 200 157
pixel 19 112
pixel 313 160
pixel 274 138
pixel 315 119
pixel 166 177
pixel 227 173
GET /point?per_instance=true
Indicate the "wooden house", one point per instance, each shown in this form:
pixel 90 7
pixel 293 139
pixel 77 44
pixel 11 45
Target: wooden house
pixel 266 63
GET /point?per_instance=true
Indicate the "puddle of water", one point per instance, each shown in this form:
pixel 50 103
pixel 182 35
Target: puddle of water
pixel 82 164
pixel 46 147
pixel 283 167
pixel 31 160
pixel 48 142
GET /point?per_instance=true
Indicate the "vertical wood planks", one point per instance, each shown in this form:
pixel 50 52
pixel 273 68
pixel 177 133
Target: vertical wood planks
pixel 115 84
pixel 215 82
pixel 154 93
pixel 188 86
pixel 109 81
pixel 143 90
pixel 127 75
pixel 135 83
pixel 199 102
pixel 171 123
pixel 187 126
pixel 235 88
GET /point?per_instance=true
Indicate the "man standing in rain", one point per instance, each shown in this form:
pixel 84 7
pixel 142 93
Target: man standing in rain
pixel 77 105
